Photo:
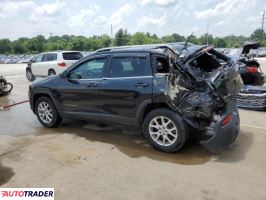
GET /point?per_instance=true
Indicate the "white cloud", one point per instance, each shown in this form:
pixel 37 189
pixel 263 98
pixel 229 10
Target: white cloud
pixel 220 23
pixel 101 20
pixel 226 7
pixel 122 12
pixel 84 16
pixel 11 7
pixel 48 10
pixel 253 19
pixel 117 18
pixel 146 21
pixel 161 3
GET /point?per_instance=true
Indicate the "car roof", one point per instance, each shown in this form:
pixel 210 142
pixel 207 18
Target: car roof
pixel 154 48
pixel 59 51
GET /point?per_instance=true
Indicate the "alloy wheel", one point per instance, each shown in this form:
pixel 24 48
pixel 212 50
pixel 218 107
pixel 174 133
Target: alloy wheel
pixel 163 131
pixel 45 112
pixel 29 75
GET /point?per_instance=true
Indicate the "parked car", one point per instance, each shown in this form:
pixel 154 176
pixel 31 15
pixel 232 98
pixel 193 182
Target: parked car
pixel 10 61
pixel 261 53
pixel 250 70
pixel 51 63
pixel 165 90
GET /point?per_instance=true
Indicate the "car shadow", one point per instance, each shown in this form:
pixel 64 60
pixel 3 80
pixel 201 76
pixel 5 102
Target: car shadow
pixel 6 173
pixel 133 144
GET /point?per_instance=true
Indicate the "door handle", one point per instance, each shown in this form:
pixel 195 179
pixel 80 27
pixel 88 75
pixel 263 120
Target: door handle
pixel 140 85
pixel 92 85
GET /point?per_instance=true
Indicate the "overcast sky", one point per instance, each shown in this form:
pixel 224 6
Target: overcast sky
pixel 29 18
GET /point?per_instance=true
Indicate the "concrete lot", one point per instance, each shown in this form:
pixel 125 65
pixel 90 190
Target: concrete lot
pixel 82 163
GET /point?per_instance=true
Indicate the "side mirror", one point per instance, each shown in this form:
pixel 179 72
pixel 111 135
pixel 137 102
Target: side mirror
pixel 64 75
pixel 74 76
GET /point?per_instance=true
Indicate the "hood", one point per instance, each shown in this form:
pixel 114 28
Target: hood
pixel 250 45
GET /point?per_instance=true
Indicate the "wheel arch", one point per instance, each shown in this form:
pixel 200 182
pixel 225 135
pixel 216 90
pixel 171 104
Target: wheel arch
pixel 51 69
pixel 43 94
pixel 148 107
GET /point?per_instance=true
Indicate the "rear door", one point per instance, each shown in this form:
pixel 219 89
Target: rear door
pixel 48 62
pixel 126 86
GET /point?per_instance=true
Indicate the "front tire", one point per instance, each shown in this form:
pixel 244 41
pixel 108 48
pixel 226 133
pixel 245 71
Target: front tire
pixel 30 75
pixel 47 113
pixel 165 130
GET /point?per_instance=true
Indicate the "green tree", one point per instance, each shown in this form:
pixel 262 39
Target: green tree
pixel 139 38
pixel 19 45
pixel 178 38
pixel 5 46
pixel 219 42
pixel 258 34
pixel 106 40
pixel 168 39
pixel 36 44
pixel 121 37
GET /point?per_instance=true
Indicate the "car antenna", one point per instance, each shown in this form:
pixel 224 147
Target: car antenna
pixel 185 46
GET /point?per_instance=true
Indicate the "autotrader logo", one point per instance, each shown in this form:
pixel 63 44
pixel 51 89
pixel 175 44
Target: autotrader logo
pixel 26 193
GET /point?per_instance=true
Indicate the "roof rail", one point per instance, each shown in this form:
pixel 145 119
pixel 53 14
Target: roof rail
pixel 103 49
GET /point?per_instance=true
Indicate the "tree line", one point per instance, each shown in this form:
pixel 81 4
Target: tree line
pixel 122 37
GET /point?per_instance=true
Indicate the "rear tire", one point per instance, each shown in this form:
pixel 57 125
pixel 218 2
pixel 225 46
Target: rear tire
pixel 30 75
pixel 51 72
pixel 165 130
pixel 47 113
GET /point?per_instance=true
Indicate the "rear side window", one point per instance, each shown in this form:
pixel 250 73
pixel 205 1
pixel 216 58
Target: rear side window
pixel 49 57
pixel 161 65
pixel 72 56
pixel 129 67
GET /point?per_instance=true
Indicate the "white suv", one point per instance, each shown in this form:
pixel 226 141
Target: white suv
pixel 51 63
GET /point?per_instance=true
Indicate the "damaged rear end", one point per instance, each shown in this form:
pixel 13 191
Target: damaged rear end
pixel 202 86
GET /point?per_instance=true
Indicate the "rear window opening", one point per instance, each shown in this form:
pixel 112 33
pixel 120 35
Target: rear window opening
pixel 209 61
pixel 161 65
pixel 72 56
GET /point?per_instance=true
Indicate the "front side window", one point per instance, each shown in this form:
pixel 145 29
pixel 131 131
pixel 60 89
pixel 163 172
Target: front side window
pixel 38 58
pixel 129 67
pixel 91 69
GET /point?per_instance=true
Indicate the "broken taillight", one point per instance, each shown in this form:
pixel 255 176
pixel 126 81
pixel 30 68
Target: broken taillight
pixel 227 119
pixel 251 69
pixel 61 64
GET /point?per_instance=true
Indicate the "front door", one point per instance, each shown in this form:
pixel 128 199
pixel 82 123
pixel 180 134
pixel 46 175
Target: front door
pixel 79 92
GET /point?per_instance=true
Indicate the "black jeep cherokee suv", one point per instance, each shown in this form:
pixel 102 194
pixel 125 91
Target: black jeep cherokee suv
pixel 166 90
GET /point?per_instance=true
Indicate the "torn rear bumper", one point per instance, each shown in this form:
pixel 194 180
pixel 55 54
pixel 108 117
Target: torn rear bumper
pixel 220 136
